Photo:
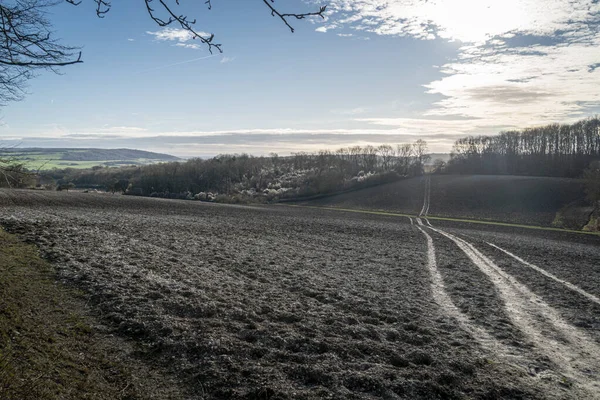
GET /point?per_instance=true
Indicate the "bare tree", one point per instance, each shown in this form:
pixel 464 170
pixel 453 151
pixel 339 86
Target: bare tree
pixel 404 153
pixel 551 150
pixel 421 153
pixel 28 44
pixel 387 155
pixel 369 158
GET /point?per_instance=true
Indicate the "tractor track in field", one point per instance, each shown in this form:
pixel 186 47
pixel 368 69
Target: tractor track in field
pixel 442 298
pixel 426 196
pixel 542 271
pixel 574 355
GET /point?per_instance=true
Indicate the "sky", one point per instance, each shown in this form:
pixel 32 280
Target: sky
pixel 371 72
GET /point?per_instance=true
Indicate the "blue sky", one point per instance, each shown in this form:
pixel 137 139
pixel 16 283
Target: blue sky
pixel 372 72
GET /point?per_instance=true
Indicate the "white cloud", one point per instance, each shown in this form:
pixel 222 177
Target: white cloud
pixel 226 59
pixel 188 45
pixel 429 126
pixel 321 29
pixel 523 62
pixel 521 87
pixel 351 111
pixel 120 129
pixel 130 40
pixel 465 20
pixel 390 127
pixel 254 141
pixel 181 36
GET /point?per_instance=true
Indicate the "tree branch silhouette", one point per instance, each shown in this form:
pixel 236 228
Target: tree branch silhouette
pixel 27 43
pixel 283 16
pixel 27 46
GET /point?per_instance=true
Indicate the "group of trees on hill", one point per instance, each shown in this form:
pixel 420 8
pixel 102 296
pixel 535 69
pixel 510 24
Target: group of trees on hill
pixel 301 174
pixel 551 150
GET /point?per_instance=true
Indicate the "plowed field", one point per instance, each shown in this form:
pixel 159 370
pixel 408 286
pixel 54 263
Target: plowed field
pixel 280 302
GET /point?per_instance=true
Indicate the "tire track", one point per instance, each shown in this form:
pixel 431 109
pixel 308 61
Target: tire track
pixel 573 353
pixel 442 298
pixel 576 355
pixel 428 194
pixel 542 271
pixel 440 294
pixel 426 197
pixel 589 296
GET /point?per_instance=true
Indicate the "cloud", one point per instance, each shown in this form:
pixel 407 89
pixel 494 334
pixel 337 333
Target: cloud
pixel 112 130
pixel 428 127
pixel 226 59
pixel 188 45
pixel 130 40
pixel 321 29
pixel 521 85
pixel 464 20
pixel 351 111
pixel 522 62
pixel 181 36
pixel 256 143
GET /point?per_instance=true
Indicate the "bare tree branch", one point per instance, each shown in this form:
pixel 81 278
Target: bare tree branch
pixel 42 64
pixel 164 15
pixel 27 44
pixel 283 16
pixel 182 21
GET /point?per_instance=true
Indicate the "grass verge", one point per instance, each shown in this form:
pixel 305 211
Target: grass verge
pixel 48 350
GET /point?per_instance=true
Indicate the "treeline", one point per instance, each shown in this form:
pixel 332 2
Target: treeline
pixel 242 175
pixel 552 150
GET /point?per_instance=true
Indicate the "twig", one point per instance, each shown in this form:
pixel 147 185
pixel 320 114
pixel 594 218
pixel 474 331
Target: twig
pixel 283 16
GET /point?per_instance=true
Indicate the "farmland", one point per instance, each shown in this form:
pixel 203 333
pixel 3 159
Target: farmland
pixel 503 198
pixel 282 302
pixel 49 158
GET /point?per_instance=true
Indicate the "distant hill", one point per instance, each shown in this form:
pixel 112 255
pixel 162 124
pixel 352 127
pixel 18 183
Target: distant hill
pixel 48 158
pixel 503 198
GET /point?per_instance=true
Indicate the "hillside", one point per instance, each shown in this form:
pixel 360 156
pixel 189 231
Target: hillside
pixel 516 199
pixel 48 158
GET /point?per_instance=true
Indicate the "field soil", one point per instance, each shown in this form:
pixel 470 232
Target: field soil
pixel 277 302
pixel 502 198
pixel 49 348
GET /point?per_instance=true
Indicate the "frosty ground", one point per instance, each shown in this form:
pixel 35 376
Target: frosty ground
pixel 287 302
